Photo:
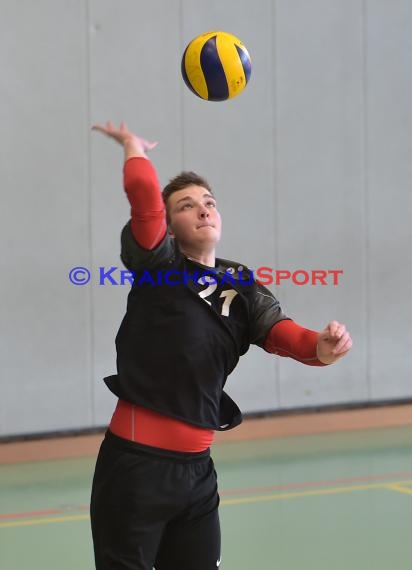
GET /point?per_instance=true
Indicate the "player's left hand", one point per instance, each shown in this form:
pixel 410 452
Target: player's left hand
pixel 333 342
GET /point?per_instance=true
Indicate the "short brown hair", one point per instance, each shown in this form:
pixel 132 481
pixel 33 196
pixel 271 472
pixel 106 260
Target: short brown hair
pixel 182 181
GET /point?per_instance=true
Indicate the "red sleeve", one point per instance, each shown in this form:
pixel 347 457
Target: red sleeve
pixel 287 338
pixel 148 222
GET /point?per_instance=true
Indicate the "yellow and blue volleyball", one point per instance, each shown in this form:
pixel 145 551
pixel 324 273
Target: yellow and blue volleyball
pixel 216 66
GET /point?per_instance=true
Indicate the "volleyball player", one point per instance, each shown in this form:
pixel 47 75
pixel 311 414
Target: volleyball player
pixel 189 318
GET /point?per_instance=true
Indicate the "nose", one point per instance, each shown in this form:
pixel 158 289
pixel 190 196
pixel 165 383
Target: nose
pixel 203 212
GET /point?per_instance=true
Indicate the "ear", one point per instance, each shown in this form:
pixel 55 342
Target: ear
pixel 170 232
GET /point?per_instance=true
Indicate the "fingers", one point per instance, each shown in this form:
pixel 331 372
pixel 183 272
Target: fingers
pixel 150 145
pixel 337 333
pixel 99 128
pixel 123 129
pixel 343 345
pixel 122 134
pixel 334 328
pixel 109 128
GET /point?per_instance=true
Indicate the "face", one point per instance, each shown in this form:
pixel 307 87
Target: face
pixel 194 219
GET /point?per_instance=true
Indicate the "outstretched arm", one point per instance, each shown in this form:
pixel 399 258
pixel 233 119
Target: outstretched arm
pixel 148 219
pixel 287 338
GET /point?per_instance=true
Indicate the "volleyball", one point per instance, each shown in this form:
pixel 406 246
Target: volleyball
pixel 216 66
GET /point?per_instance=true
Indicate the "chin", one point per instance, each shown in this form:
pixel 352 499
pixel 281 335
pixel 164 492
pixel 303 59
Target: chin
pixel 211 242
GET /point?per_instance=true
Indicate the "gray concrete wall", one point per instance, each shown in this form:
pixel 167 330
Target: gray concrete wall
pixel 311 166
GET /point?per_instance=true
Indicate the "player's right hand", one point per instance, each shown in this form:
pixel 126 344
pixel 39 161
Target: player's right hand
pixel 124 136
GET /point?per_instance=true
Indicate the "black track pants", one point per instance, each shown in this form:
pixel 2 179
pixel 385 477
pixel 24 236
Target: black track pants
pixel 154 508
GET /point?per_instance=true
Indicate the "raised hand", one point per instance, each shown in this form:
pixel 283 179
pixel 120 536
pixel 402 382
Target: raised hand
pixel 132 143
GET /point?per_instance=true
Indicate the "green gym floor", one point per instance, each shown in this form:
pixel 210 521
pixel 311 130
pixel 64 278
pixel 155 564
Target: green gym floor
pixel 333 501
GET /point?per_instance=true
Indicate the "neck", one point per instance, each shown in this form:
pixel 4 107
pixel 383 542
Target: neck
pixel 207 258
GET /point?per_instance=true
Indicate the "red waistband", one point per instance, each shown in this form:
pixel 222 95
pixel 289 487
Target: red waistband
pixel 157 430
